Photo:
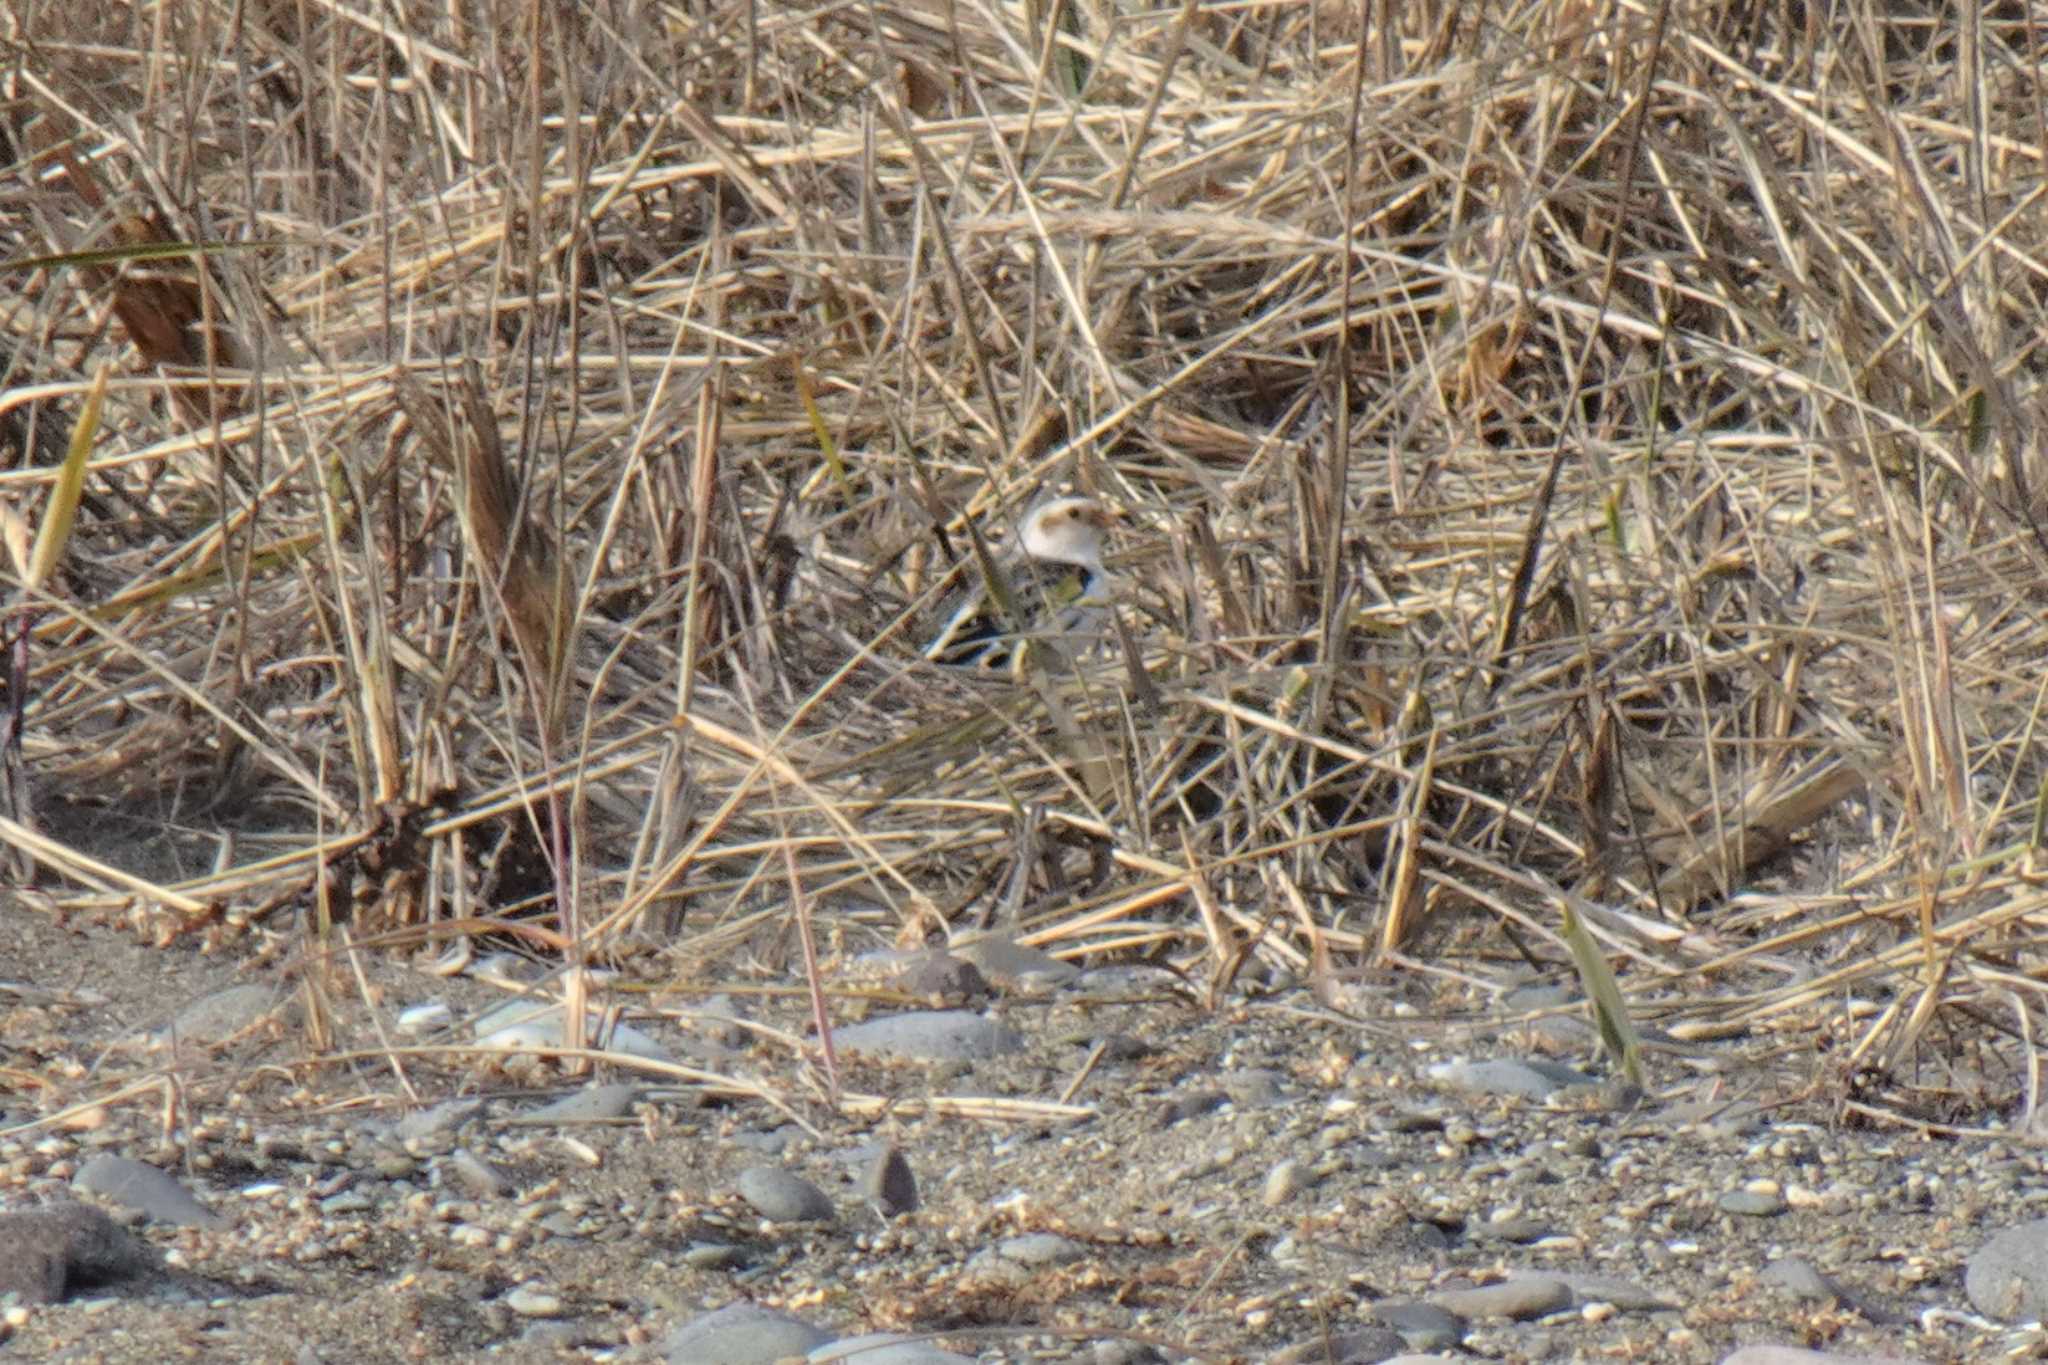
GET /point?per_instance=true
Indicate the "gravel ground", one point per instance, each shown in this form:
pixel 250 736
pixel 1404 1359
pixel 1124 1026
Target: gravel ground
pixel 1112 1174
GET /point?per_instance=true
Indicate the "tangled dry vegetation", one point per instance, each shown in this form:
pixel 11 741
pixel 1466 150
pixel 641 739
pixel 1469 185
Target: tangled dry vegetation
pixel 1576 457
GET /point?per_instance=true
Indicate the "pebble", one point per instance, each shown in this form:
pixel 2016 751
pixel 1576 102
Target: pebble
pixel 1423 1326
pixel 773 1142
pixel 417 1021
pixel 711 1256
pixel 1532 1079
pixel 477 1176
pixel 1189 1106
pixel 1626 1295
pixel 351 1201
pixel 884 1348
pixel 1284 1181
pixel 1359 1346
pixel 930 1035
pixel 220 1016
pixel 2007 1277
pixel 1751 1203
pixel 394 1165
pixel 889 1184
pixel 781 1197
pixel 940 978
pixel 1011 963
pixel 1041 1249
pixel 531 1301
pixel 722 1017
pixel 436 1119
pixel 1255 1087
pixel 1716 1118
pixel 43 1251
pixel 525 1025
pixel 141 1186
pixel 1518 1299
pixel 1801 1278
pixel 1122 1352
pixel 1515 1229
pixel 544 1335
pixel 741 1334
pixel 1793 1355
pixel 592 1104
pixel 1539 995
pixel 509 970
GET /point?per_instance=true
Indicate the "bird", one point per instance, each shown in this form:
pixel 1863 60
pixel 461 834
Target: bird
pixel 1054 582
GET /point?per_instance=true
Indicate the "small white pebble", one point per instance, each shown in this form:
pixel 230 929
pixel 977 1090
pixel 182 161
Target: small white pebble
pixel 531 1301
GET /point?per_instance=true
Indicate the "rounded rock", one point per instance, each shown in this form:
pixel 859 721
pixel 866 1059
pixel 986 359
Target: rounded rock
pixel 780 1197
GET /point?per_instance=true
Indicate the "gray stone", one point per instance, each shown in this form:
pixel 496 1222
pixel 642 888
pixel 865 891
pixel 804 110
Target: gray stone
pixel 527 1025
pixel 141 1186
pixel 1612 1290
pixel 781 1197
pixel 220 1016
pixel 1121 1352
pixel 884 1348
pixel 2007 1277
pixel 889 1183
pixel 939 978
pixel 774 1142
pixel 1359 1346
pixel 741 1334
pixel 1517 1300
pixel 1751 1203
pixel 1532 1079
pixel 1517 1229
pixel 477 1176
pixel 46 1252
pixel 544 1335
pixel 532 1301
pixel 1005 960
pixel 592 1104
pixel 1718 1118
pixel 930 1035
pixel 711 1255
pixel 1040 1248
pixel 1254 1087
pixel 1184 1107
pixel 1801 1278
pixel 1423 1326
pixel 1793 1355
pixel 1287 1179
pixel 1539 995
pixel 436 1119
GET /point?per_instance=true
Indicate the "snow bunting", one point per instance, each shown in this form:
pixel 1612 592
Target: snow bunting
pixel 1056 583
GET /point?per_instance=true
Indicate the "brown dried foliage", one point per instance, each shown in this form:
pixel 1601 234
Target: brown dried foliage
pixel 1575 455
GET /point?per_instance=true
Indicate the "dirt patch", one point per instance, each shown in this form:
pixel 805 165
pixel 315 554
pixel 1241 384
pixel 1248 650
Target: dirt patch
pixel 1250 1178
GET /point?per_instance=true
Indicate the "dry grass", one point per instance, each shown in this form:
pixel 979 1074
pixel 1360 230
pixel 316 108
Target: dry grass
pixel 1577 456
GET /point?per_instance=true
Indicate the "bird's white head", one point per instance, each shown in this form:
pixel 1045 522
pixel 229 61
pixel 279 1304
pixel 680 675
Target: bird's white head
pixel 1068 531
